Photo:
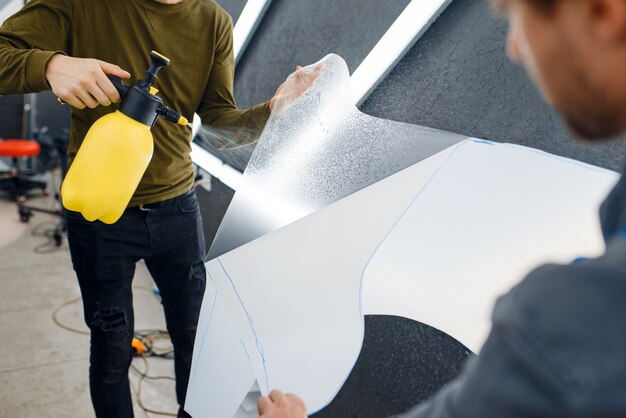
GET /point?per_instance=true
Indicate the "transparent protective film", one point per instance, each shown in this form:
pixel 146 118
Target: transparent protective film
pixel 317 150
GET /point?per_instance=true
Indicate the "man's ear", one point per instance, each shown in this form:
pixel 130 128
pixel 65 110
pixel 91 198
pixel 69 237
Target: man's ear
pixel 607 19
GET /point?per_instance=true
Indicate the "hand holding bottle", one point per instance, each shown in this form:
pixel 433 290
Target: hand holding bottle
pixel 83 82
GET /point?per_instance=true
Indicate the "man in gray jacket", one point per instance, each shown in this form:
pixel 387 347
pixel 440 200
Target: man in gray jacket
pixel 558 343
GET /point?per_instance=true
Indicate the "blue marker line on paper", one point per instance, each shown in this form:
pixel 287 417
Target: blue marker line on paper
pixel 402 216
pixel 206 331
pixel 244 348
pixel 259 346
pixel 483 141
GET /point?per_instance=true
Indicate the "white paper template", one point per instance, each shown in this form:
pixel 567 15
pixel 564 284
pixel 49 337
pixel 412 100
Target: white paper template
pixel 436 242
pixel 491 214
pixel 221 374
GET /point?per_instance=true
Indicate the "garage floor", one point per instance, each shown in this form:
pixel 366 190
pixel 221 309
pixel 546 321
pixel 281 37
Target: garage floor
pixel 43 367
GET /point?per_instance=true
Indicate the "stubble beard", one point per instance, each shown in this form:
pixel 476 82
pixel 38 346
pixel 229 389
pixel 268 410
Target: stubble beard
pixel 591 114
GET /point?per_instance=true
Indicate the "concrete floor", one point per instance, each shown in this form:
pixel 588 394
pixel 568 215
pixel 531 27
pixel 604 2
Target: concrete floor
pixel 43 368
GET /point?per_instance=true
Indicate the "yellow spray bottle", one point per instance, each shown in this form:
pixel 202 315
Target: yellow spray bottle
pixel 116 151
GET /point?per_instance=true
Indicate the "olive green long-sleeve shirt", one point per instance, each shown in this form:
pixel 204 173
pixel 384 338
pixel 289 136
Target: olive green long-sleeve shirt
pixel 195 34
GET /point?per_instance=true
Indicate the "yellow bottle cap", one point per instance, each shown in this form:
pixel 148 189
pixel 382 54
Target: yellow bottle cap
pixel 162 56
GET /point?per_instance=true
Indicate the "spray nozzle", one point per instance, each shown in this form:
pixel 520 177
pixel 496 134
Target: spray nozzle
pixel 158 61
pixel 140 101
pixel 173 116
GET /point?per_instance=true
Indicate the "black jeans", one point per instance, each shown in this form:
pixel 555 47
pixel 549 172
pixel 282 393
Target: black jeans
pixel 168 235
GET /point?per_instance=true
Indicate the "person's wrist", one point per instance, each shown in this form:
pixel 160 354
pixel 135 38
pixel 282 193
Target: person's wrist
pixel 51 64
pixel 35 70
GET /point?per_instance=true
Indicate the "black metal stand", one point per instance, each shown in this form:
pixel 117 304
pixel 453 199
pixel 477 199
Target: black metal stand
pixel 26 212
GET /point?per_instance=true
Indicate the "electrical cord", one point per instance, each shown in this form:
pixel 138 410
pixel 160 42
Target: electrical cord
pixel 55 317
pixel 147 338
pixel 51 244
pixel 55 229
pixel 57 321
pixel 144 375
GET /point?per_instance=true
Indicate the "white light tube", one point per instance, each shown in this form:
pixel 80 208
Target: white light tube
pixel 248 21
pixel 216 167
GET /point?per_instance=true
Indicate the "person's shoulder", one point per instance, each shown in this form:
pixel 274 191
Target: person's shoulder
pixel 53 4
pixel 594 286
pixel 213 16
pixel 571 296
pixel 214 9
pixel 570 318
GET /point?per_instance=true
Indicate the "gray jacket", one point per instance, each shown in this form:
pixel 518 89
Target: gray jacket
pixel 558 343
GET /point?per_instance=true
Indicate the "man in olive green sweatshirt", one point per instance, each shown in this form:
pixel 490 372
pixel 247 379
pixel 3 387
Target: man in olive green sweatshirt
pixel 70 47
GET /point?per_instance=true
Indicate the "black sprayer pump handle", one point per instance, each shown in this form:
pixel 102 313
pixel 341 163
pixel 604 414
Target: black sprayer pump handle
pixel 158 62
pixel 119 85
pixel 140 101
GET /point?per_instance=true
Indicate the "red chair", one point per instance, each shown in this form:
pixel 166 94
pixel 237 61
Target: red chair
pixel 17 180
pixel 18 183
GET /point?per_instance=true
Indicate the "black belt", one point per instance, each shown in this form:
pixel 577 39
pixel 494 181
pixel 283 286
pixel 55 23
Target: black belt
pixel 164 203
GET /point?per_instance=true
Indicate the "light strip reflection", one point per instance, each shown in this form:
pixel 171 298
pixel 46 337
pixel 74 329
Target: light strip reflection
pixel 247 23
